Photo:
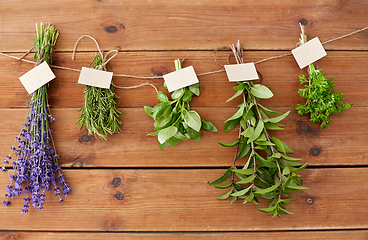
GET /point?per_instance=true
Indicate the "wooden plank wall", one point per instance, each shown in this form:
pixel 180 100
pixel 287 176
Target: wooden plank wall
pixel 126 188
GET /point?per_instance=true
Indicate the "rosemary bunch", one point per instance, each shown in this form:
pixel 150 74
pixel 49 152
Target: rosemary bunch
pixel 268 173
pixel 178 123
pixel 36 165
pixel 99 113
pixel 321 101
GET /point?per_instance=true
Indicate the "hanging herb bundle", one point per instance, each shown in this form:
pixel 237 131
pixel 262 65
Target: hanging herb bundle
pixel 36 162
pixel 178 123
pixel 99 113
pixel 268 173
pixel 321 101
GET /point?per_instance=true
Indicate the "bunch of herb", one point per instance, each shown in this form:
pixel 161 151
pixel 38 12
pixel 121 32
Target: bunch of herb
pixel 321 101
pixel 268 173
pixel 174 120
pixel 99 113
pixel 36 162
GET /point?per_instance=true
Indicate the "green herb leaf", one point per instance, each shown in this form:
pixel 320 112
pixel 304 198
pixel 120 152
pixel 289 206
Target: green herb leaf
pixel 193 120
pixel 223 178
pixel 238 114
pixel 162 97
pixel 277 119
pixel 237 94
pixel 195 89
pixel 206 125
pixel 167 133
pixel 261 91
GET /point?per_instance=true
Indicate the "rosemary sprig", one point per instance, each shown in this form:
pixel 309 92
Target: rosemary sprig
pixel 178 123
pixel 321 101
pixel 268 172
pixel 99 113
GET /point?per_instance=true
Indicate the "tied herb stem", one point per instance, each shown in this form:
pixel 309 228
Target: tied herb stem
pixel 178 123
pixel 99 113
pixel 268 172
pixel 36 163
pixel 321 102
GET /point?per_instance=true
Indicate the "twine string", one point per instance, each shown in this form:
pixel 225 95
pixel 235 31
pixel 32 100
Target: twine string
pixel 160 77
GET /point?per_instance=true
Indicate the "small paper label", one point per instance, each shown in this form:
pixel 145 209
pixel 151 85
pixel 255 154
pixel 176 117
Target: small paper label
pixel 95 78
pixel 37 77
pixel 241 72
pixel 181 78
pixel 309 52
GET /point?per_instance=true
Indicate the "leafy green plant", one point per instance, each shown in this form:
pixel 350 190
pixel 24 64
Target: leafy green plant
pixel 174 120
pixel 268 172
pixel 99 113
pixel 321 101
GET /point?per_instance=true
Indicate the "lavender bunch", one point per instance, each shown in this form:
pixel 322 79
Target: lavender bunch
pixel 36 161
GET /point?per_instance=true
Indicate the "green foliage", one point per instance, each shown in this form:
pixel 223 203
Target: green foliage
pixel 321 101
pixel 99 113
pixel 268 172
pixel 174 120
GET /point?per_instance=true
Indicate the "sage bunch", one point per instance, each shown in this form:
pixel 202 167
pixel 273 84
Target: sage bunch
pixel 321 102
pixel 268 172
pixel 99 113
pixel 175 121
pixel 36 161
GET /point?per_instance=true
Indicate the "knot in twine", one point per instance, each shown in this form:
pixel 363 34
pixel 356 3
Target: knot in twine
pixel 105 60
pixel 39 51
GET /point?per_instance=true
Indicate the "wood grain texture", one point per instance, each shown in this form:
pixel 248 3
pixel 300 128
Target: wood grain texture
pixel 132 148
pixel 178 25
pixel 182 200
pixel 348 69
pixel 303 235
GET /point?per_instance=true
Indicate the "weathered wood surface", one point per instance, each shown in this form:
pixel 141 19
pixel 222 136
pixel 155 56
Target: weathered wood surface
pixel 185 25
pixel 165 194
pixel 304 235
pixel 181 199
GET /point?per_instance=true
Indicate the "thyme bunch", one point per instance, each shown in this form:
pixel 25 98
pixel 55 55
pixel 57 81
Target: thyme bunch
pixel 321 101
pixel 99 113
pixel 178 123
pixel 268 172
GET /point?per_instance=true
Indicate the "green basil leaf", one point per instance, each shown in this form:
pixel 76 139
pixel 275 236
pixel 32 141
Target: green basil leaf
pixel 187 95
pixel 153 134
pixel 193 120
pixel 148 110
pixel 273 126
pixel 193 133
pixel 166 133
pixel 240 87
pixel 177 93
pixel 162 97
pixel 206 125
pixel 195 89
pixel 261 91
pixel 162 123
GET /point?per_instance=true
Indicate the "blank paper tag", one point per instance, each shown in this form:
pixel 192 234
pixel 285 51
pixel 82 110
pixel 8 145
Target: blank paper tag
pixel 95 78
pixel 37 77
pixel 181 78
pixel 309 52
pixel 241 72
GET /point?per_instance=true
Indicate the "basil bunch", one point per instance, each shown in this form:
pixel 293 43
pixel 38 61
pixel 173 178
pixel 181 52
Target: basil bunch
pixel 321 101
pixel 174 120
pixel 268 173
